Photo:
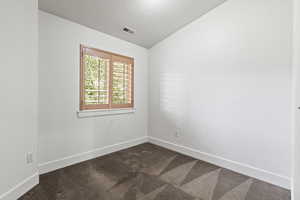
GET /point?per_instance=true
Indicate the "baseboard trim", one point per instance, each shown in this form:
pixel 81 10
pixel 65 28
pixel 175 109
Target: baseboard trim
pixel 71 160
pixel 248 170
pixel 21 188
pixel 28 183
pixel 241 168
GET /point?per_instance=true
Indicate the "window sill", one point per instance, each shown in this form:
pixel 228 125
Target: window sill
pixel 99 113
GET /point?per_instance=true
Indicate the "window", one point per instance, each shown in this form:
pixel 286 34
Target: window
pixel 106 80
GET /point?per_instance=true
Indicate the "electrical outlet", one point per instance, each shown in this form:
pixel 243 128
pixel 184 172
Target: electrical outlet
pixel 29 158
pixel 177 132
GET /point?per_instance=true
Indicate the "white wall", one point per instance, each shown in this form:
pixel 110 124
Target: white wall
pixel 18 86
pixel 296 72
pixel 224 82
pixel 61 133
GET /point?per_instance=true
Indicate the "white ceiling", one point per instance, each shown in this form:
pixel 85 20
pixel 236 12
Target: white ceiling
pixel 153 20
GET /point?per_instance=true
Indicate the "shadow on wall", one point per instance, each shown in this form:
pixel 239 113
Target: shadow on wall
pixel 173 100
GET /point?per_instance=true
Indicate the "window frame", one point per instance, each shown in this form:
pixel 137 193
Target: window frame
pixel 112 57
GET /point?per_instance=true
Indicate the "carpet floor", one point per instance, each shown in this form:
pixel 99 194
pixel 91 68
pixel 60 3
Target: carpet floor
pixel 149 172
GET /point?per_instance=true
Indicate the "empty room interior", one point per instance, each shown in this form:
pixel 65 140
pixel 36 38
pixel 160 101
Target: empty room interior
pixel 150 100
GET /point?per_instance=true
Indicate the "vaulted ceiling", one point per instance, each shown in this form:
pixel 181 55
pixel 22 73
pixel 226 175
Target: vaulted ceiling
pixel 152 20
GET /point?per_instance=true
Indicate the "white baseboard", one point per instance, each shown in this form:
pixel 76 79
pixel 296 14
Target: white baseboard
pixel 245 169
pixel 70 160
pixel 33 180
pixel 20 189
pixel 241 168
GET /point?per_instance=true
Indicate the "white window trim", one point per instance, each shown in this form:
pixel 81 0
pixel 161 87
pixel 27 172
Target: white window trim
pixel 104 112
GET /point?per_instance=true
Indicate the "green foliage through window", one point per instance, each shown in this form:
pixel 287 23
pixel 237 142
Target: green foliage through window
pixel 96 80
pixel 107 80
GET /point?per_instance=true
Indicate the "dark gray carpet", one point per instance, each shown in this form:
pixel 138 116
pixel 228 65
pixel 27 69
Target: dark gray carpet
pixel 149 172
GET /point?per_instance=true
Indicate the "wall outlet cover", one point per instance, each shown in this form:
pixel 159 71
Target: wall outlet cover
pixel 29 158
